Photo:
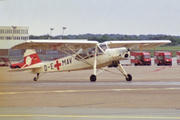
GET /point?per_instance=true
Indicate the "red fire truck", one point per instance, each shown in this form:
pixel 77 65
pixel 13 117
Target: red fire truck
pixel 163 58
pixel 178 57
pixel 140 58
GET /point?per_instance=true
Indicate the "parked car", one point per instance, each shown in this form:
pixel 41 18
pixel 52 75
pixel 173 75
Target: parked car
pixel 17 65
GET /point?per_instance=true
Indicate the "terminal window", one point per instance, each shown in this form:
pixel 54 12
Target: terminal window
pixel 16 31
pixel 1 38
pixel 8 31
pixel 24 31
pixel 1 31
pixel 24 38
pixel 8 38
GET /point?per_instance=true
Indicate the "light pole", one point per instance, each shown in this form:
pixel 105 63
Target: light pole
pixel 63 32
pixel 14 27
pixel 51 29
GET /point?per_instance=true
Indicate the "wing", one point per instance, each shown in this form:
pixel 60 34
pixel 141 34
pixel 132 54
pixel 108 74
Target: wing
pixel 55 44
pixel 141 44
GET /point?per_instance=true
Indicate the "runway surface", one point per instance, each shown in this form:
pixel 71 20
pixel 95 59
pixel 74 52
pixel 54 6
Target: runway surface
pixel 154 93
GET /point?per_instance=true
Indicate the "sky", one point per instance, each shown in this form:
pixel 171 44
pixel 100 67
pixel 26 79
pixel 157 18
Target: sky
pixel 131 17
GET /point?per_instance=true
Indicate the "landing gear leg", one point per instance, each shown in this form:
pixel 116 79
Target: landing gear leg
pixel 36 78
pixel 127 76
pixel 93 76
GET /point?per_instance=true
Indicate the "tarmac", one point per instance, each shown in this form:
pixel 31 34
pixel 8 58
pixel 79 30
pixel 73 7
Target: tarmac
pixel 154 93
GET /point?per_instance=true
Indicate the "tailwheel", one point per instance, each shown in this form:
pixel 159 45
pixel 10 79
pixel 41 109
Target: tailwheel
pixel 36 78
pixel 128 77
pixel 93 78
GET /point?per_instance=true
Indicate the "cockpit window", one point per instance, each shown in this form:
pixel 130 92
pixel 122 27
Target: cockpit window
pixel 89 53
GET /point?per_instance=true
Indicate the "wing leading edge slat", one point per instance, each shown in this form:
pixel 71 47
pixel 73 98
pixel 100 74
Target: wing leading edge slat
pixel 55 44
pixel 84 44
pixel 141 44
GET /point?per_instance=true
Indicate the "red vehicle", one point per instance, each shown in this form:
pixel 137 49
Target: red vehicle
pixel 178 57
pixel 17 65
pixel 140 58
pixel 163 58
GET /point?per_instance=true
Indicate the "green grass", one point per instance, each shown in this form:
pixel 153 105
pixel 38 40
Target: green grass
pixel 175 48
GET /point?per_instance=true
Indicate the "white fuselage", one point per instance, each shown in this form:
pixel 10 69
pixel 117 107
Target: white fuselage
pixel 71 63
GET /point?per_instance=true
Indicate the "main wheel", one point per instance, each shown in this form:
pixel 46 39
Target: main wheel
pixel 35 79
pixel 17 67
pixel 93 78
pixel 129 77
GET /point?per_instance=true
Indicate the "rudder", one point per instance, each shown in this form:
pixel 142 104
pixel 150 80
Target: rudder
pixel 31 58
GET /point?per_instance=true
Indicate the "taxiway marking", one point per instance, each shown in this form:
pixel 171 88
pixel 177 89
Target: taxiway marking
pixel 97 90
pixel 91 116
pixel 159 69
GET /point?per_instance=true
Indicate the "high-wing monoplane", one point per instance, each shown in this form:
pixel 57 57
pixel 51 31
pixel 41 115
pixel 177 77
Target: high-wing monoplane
pixel 86 55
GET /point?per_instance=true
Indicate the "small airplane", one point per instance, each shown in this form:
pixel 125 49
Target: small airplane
pixel 84 55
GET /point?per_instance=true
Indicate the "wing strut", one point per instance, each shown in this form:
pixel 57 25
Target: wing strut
pixel 95 61
pixel 101 70
pixel 76 54
pixel 121 69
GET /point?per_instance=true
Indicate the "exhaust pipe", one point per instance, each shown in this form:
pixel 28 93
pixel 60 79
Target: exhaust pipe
pixel 126 55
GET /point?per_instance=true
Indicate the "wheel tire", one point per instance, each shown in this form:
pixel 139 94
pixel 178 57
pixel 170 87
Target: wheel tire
pixel 17 67
pixel 93 78
pixel 35 79
pixel 129 77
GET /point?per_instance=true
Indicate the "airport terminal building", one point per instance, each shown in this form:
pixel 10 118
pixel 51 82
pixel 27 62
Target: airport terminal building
pixel 12 35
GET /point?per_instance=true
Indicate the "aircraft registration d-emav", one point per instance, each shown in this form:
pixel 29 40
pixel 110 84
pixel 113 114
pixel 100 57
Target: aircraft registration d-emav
pixel 86 55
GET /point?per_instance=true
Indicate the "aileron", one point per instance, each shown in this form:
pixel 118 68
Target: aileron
pixel 142 44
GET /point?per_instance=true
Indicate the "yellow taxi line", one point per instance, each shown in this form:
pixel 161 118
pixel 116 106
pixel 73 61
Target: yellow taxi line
pixel 92 116
pixel 96 90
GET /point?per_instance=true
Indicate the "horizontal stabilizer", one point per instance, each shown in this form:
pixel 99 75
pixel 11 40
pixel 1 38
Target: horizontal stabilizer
pixel 26 68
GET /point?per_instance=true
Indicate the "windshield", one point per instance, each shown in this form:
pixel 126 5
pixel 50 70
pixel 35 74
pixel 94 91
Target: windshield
pixel 147 56
pixel 167 56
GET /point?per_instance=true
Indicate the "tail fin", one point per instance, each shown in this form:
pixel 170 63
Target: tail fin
pixel 31 58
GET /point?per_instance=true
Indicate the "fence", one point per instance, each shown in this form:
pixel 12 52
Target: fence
pixel 42 57
pixel 17 55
